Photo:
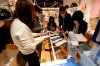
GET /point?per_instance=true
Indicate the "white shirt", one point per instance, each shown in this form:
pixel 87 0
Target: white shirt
pixel 22 37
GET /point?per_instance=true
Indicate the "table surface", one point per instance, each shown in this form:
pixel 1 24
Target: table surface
pixel 49 54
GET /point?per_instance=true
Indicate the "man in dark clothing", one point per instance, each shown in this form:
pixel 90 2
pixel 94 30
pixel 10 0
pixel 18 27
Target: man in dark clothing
pixel 4 14
pixel 4 29
pixel 64 18
pixel 4 36
pixel 67 7
pixel 38 27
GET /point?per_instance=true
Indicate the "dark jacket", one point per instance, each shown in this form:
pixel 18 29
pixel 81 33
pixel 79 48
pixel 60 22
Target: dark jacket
pixel 4 37
pixel 82 27
pixel 64 21
pixel 4 14
pixel 38 27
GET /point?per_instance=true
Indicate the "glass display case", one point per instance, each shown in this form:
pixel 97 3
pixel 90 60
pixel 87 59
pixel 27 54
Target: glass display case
pixel 54 48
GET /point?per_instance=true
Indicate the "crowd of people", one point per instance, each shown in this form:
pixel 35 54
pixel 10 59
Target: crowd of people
pixel 26 24
pixel 73 23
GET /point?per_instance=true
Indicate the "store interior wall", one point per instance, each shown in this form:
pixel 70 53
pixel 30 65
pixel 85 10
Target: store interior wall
pixel 2 3
pixel 86 7
pixel 68 2
pixel 96 8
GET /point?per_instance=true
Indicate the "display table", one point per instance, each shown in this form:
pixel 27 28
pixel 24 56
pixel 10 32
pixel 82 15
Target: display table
pixel 52 50
pixel 45 55
pixel 58 47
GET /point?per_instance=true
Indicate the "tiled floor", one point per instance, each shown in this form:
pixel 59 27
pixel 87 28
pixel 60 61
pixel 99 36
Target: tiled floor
pixel 7 54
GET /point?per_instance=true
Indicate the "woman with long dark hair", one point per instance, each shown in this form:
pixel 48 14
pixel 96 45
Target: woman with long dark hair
pixel 78 25
pixel 51 26
pixel 21 33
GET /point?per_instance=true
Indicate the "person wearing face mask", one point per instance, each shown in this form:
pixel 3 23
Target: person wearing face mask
pixel 38 27
pixel 51 24
pixel 64 18
pixel 20 29
pixel 77 24
pixel 67 8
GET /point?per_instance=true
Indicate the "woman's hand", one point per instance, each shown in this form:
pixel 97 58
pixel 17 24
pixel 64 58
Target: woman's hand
pixel 41 39
pixel 45 26
pixel 66 32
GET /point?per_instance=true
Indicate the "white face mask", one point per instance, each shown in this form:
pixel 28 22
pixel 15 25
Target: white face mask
pixel 63 15
pixel 37 14
pixel 40 15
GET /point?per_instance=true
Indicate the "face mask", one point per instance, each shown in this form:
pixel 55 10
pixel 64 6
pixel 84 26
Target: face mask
pixel 38 14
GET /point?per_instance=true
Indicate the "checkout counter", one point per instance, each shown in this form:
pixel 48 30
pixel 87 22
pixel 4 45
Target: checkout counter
pixel 60 50
pixel 56 50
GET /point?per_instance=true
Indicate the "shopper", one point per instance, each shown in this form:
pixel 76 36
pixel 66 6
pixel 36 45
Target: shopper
pixel 66 7
pixel 4 36
pixel 64 18
pixel 4 14
pixel 21 31
pixel 38 27
pixel 4 30
pixel 38 12
pixel 78 25
pixel 51 24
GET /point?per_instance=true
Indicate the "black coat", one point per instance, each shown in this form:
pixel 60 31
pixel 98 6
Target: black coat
pixel 82 27
pixel 4 14
pixel 4 37
pixel 38 26
pixel 64 21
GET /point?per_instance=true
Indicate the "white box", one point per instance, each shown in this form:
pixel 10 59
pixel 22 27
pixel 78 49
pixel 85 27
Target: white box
pixel 81 37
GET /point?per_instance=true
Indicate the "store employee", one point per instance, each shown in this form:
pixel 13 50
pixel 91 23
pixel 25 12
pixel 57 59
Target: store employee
pixel 21 31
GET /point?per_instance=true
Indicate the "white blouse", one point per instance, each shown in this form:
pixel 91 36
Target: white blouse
pixel 22 37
